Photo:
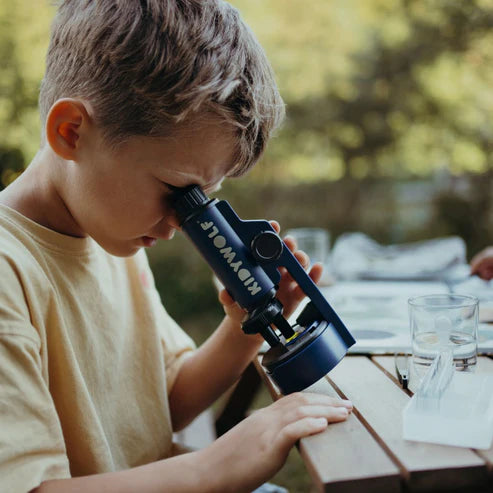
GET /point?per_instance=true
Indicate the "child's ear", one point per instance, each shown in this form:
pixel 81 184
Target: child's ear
pixel 66 121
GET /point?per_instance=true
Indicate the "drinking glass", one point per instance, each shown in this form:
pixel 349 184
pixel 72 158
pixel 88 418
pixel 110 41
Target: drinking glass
pixel 444 322
pixel 315 242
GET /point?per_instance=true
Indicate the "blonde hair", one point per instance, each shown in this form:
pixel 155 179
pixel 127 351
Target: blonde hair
pixel 146 65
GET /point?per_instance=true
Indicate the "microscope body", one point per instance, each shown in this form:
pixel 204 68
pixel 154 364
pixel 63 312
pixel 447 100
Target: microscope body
pixel 246 257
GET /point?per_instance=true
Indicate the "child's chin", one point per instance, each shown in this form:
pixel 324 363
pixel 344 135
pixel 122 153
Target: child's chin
pixel 122 249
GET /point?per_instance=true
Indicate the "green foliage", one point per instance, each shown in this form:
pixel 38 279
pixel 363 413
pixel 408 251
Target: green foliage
pixel 24 27
pixel 375 91
pixel 11 165
pixel 466 212
pixel 381 88
pixel 373 88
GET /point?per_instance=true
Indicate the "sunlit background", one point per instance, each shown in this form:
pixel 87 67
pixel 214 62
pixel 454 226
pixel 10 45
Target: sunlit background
pixel 389 126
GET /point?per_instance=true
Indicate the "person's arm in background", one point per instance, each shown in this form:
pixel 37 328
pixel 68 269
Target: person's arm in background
pixel 482 264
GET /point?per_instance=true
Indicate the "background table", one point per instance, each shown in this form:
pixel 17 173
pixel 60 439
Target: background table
pixel 366 453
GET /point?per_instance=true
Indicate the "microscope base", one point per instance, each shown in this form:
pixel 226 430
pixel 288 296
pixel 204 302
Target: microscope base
pixel 294 367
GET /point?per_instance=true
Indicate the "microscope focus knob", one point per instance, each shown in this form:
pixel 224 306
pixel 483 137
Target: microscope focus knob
pixel 267 246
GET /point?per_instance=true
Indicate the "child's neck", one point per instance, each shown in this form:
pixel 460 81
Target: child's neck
pixel 35 195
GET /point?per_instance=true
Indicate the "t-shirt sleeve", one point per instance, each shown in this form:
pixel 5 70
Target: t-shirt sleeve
pixel 32 449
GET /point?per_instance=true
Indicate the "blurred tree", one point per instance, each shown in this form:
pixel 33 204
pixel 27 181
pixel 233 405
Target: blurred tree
pixel 413 94
pixel 11 165
pixel 23 41
pixel 466 211
pixel 386 87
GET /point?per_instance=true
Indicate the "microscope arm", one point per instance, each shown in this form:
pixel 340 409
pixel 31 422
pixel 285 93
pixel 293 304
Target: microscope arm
pixel 250 230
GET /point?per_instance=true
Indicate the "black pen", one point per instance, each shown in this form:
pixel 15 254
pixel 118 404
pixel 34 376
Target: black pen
pixel 402 369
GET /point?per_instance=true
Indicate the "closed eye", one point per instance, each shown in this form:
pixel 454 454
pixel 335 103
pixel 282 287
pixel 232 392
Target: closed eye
pixel 172 188
pixel 208 189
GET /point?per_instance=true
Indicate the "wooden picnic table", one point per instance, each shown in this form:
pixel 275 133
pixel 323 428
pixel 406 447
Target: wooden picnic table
pixel 366 453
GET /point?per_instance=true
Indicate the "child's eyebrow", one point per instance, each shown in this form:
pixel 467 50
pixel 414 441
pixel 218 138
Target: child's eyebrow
pixel 207 188
pixel 214 188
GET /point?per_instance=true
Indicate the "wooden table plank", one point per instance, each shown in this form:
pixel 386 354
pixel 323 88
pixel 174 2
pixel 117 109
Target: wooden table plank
pixel 485 365
pixel 380 401
pixel 345 457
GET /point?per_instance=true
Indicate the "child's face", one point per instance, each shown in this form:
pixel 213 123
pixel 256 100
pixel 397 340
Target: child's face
pixel 120 197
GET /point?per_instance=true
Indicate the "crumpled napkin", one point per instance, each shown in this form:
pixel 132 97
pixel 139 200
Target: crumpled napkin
pixel 357 256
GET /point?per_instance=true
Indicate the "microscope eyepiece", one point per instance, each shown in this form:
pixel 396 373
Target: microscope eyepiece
pixel 186 201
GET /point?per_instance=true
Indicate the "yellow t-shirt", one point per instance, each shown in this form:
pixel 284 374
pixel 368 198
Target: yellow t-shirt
pixel 88 356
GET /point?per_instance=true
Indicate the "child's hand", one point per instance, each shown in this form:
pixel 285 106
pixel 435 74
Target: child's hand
pixel 289 293
pixel 482 264
pixel 254 450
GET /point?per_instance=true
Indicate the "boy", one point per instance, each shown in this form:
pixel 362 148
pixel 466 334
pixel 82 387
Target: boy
pixel 138 96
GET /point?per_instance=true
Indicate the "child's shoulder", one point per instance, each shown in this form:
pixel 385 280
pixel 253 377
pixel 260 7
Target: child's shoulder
pixel 15 238
pixel 23 236
pixel 20 266
pixel 23 280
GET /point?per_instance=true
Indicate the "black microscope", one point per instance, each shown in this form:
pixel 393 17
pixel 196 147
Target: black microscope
pixel 246 256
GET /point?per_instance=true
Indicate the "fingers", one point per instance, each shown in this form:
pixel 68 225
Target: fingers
pixel 482 262
pixel 302 258
pixel 484 272
pixel 315 275
pixel 316 272
pixel 483 267
pixel 290 243
pixel 275 225
pixel 291 433
pixel 290 292
pixel 304 414
pixel 332 414
pixel 312 398
pixel 300 255
pixel 307 405
pixel 225 298
pixel 304 261
pixel 230 307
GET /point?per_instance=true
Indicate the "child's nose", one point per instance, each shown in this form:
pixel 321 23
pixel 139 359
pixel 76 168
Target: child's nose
pixel 166 228
pixel 172 221
pixel 165 231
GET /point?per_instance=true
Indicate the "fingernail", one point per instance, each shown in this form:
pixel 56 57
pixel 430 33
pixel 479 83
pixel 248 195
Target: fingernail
pixel 342 411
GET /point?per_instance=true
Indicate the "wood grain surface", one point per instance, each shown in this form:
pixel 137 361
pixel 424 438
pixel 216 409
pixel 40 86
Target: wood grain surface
pixel 367 453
